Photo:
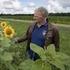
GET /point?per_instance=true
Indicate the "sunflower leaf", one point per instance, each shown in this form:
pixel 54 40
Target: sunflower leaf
pixel 37 49
pixel 7 56
pixel 26 65
pixel 5 42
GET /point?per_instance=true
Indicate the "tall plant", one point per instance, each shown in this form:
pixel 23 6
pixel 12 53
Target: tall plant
pixel 49 59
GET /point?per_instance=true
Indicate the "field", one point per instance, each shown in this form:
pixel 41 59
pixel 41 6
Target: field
pixel 21 27
pixel 55 19
pixel 64 34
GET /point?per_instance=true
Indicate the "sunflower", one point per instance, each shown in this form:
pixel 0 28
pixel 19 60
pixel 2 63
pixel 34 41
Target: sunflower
pixel 3 24
pixel 9 32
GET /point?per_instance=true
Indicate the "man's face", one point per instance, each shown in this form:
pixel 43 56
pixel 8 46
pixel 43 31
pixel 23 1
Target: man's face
pixel 38 17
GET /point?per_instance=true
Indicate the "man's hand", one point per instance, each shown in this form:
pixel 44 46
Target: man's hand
pixel 16 40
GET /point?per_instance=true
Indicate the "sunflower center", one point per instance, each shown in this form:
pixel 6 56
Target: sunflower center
pixel 3 24
pixel 8 31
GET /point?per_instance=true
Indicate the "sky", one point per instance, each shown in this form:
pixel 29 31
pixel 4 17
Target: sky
pixel 28 6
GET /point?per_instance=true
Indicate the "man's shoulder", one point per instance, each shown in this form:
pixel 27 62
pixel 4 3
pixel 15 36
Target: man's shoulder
pixel 32 24
pixel 53 26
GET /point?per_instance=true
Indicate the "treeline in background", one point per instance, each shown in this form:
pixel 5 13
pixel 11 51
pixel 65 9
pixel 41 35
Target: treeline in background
pixel 61 18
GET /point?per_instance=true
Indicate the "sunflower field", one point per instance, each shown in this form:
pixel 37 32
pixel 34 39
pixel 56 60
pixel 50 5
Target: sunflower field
pixel 13 56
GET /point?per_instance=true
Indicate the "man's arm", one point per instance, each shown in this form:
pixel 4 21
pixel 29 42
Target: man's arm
pixel 23 38
pixel 56 39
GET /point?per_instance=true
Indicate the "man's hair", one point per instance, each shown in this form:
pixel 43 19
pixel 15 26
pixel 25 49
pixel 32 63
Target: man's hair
pixel 43 11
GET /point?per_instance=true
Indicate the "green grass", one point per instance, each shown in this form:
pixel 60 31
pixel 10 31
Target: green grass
pixel 55 19
pixel 60 19
pixel 65 39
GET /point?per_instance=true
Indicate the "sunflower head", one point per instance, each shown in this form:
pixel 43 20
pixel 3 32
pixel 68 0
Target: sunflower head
pixel 3 24
pixel 9 32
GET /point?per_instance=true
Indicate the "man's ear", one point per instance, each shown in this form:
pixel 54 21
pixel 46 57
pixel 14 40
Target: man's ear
pixel 47 19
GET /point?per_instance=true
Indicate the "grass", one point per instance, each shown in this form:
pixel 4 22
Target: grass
pixel 65 39
pixel 60 19
pixel 55 19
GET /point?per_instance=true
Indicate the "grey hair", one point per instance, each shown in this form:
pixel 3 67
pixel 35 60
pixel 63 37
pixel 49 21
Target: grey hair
pixel 43 11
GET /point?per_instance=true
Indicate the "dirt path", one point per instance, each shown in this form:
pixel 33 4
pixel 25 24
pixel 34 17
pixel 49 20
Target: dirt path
pixel 29 21
pixel 62 25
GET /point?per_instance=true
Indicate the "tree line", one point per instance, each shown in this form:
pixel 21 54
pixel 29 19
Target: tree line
pixel 50 14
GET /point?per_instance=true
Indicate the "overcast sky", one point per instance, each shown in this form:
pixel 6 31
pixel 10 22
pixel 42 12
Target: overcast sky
pixel 28 6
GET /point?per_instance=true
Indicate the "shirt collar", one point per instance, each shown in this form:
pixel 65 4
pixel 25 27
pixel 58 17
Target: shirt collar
pixel 44 24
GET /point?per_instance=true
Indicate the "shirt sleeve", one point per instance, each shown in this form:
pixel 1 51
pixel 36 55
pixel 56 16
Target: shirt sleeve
pixel 24 37
pixel 56 38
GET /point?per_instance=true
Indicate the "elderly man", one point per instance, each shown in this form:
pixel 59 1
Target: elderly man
pixel 40 33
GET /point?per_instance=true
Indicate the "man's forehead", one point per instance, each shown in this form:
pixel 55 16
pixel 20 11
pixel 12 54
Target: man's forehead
pixel 38 12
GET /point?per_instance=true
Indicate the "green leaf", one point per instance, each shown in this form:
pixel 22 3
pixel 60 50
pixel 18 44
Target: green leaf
pixel 63 57
pixel 26 65
pixel 50 53
pixel 58 64
pixel 7 56
pixel 34 65
pixel 1 38
pixel 53 58
pixel 37 49
pixel 10 66
pixel 42 65
pixel 1 50
pixel 51 50
pixel 5 42
pixel 37 65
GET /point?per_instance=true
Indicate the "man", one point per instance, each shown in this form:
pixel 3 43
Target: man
pixel 41 33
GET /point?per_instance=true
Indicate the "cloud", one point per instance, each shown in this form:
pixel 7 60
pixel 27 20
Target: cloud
pixel 58 6
pixel 15 7
pixel 31 4
pixel 64 2
pixel 9 6
pixel 18 6
pixel 54 6
pixel 29 8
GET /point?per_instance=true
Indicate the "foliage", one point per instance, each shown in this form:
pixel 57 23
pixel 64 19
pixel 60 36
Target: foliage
pixel 52 57
pixel 12 56
pixel 6 57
